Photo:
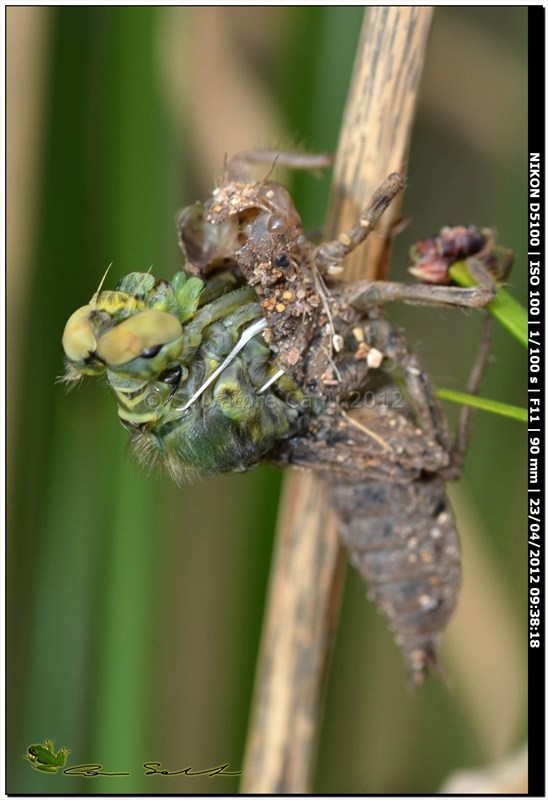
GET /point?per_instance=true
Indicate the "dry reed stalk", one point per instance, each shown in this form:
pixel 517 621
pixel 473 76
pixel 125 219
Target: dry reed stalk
pixel 308 571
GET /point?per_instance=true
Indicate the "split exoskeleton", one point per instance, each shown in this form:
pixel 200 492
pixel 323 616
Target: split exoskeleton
pixel 257 351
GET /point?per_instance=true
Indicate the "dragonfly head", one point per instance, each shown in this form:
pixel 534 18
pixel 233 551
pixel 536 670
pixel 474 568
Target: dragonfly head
pixel 135 331
pixel 141 346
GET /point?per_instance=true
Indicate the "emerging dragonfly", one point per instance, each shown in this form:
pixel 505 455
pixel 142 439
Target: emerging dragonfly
pixel 257 352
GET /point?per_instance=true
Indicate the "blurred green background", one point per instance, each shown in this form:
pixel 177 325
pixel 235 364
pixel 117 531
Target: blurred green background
pixel 135 607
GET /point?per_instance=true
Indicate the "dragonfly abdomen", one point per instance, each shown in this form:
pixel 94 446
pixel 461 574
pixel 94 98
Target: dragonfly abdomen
pixel 403 540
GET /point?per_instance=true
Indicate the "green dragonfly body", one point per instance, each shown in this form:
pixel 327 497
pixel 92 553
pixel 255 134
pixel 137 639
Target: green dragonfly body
pixel 187 367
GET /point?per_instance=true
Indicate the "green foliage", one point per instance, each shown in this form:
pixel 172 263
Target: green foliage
pixel 484 403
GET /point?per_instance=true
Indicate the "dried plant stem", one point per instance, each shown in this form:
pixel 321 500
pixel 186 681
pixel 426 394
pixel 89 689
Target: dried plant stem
pixel 308 570
pixel 377 124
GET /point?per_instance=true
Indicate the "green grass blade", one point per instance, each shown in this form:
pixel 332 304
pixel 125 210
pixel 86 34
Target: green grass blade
pixel 483 403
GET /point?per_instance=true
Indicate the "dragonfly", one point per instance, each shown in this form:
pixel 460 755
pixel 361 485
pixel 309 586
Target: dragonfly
pixel 257 351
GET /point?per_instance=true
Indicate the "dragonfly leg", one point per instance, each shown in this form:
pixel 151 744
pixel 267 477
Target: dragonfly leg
pixel 329 256
pixel 386 338
pixel 364 294
pixel 473 386
pixel 237 169
pixel 425 399
pixel 423 394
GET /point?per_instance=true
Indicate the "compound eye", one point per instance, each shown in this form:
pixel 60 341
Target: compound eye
pixel 142 335
pixel 78 337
